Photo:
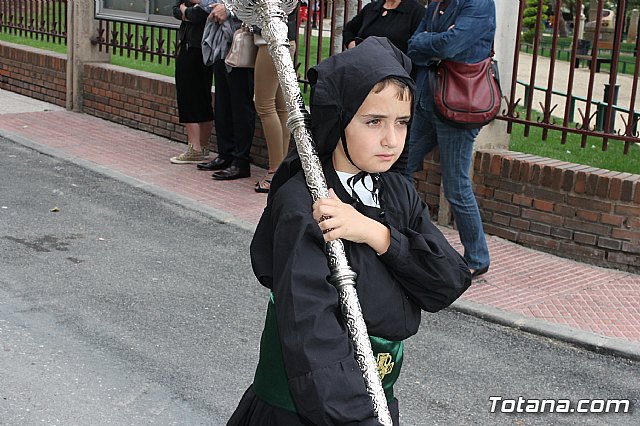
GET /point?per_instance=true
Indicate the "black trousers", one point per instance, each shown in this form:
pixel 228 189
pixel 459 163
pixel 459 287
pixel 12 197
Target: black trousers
pixel 193 86
pixel 235 113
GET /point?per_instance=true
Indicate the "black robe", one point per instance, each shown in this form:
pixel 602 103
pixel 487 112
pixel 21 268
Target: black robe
pixel 420 271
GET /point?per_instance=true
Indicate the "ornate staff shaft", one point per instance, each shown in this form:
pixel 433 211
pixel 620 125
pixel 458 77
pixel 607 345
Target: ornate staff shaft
pixel 270 16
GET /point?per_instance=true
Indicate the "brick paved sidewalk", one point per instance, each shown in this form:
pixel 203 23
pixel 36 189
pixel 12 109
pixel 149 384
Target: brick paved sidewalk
pixel 598 308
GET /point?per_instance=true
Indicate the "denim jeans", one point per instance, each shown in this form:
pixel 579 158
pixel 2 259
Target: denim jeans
pixel 456 150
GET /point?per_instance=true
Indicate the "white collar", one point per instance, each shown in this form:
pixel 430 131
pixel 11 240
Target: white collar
pixel 360 188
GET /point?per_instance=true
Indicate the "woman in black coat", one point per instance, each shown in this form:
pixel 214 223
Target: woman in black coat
pixel 396 20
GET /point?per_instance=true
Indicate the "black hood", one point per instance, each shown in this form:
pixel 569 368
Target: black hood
pixel 339 85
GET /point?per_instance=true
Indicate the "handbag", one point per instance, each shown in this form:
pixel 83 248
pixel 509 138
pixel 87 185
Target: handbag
pixel 467 95
pixel 242 53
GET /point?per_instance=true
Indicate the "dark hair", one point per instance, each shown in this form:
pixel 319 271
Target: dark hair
pixel 403 92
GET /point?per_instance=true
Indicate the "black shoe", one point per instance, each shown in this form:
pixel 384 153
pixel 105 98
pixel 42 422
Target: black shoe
pixel 215 164
pixel 232 172
pixel 479 272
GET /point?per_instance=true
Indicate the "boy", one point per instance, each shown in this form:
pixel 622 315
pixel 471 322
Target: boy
pixel 360 108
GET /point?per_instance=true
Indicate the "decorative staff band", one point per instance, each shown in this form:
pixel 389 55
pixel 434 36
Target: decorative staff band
pixel 270 16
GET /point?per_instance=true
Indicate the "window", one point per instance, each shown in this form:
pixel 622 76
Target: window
pixel 151 11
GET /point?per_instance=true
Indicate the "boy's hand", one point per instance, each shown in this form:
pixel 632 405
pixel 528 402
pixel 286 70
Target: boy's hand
pixel 340 220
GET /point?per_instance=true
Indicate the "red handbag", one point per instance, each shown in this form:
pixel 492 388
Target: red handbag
pixel 467 95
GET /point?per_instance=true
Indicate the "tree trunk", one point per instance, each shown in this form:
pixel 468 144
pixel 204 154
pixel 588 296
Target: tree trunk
pixel 338 21
pixel 350 7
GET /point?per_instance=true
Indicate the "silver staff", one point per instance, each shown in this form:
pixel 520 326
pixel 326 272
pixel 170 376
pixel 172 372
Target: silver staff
pixel 271 16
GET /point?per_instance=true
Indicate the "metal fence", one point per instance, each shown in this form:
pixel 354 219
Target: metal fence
pixel 148 42
pixel 604 96
pixel 158 42
pixel 44 20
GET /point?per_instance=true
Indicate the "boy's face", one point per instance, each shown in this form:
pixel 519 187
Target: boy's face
pixel 376 134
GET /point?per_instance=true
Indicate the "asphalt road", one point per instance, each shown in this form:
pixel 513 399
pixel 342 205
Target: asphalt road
pixel 122 308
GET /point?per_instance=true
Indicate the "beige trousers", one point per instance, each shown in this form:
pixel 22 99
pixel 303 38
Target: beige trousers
pixel 271 107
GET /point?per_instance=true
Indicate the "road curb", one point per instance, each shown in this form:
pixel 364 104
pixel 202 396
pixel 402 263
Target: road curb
pixel 584 339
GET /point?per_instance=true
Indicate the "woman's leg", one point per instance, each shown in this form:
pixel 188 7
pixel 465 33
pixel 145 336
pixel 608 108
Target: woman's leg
pixel 204 130
pixel 193 135
pixel 422 140
pixel 267 92
pixel 456 151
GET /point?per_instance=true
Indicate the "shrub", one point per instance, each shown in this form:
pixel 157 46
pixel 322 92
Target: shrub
pixel 530 18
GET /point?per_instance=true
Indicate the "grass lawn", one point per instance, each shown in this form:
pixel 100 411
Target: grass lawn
pixel 33 42
pixel 592 155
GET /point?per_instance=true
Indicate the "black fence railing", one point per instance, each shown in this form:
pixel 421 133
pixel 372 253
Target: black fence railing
pixel 148 42
pixel 156 42
pixel 609 106
pixel 44 20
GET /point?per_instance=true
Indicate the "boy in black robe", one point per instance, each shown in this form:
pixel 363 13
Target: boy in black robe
pixel 307 375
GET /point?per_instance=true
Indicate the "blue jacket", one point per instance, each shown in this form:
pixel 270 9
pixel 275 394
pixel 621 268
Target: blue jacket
pixel 470 40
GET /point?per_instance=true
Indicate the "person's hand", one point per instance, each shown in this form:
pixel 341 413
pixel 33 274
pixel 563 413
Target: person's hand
pixel 351 44
pixel 218 13
pixel 183 8
pixel 340 220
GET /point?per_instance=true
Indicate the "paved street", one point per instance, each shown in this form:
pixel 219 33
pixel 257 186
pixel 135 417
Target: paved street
pixel 118 307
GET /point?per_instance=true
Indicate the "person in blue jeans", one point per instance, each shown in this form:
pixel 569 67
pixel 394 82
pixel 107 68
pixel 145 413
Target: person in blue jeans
pixel 460 31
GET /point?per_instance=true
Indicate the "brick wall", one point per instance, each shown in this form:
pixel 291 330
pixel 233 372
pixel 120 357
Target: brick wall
pixel 576 211
pixel 572 210
pixel 33 72
pixel 428 182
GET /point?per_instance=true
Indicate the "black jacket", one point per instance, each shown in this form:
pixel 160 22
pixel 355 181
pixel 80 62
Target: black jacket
pixel 190 32
pixel 398 26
